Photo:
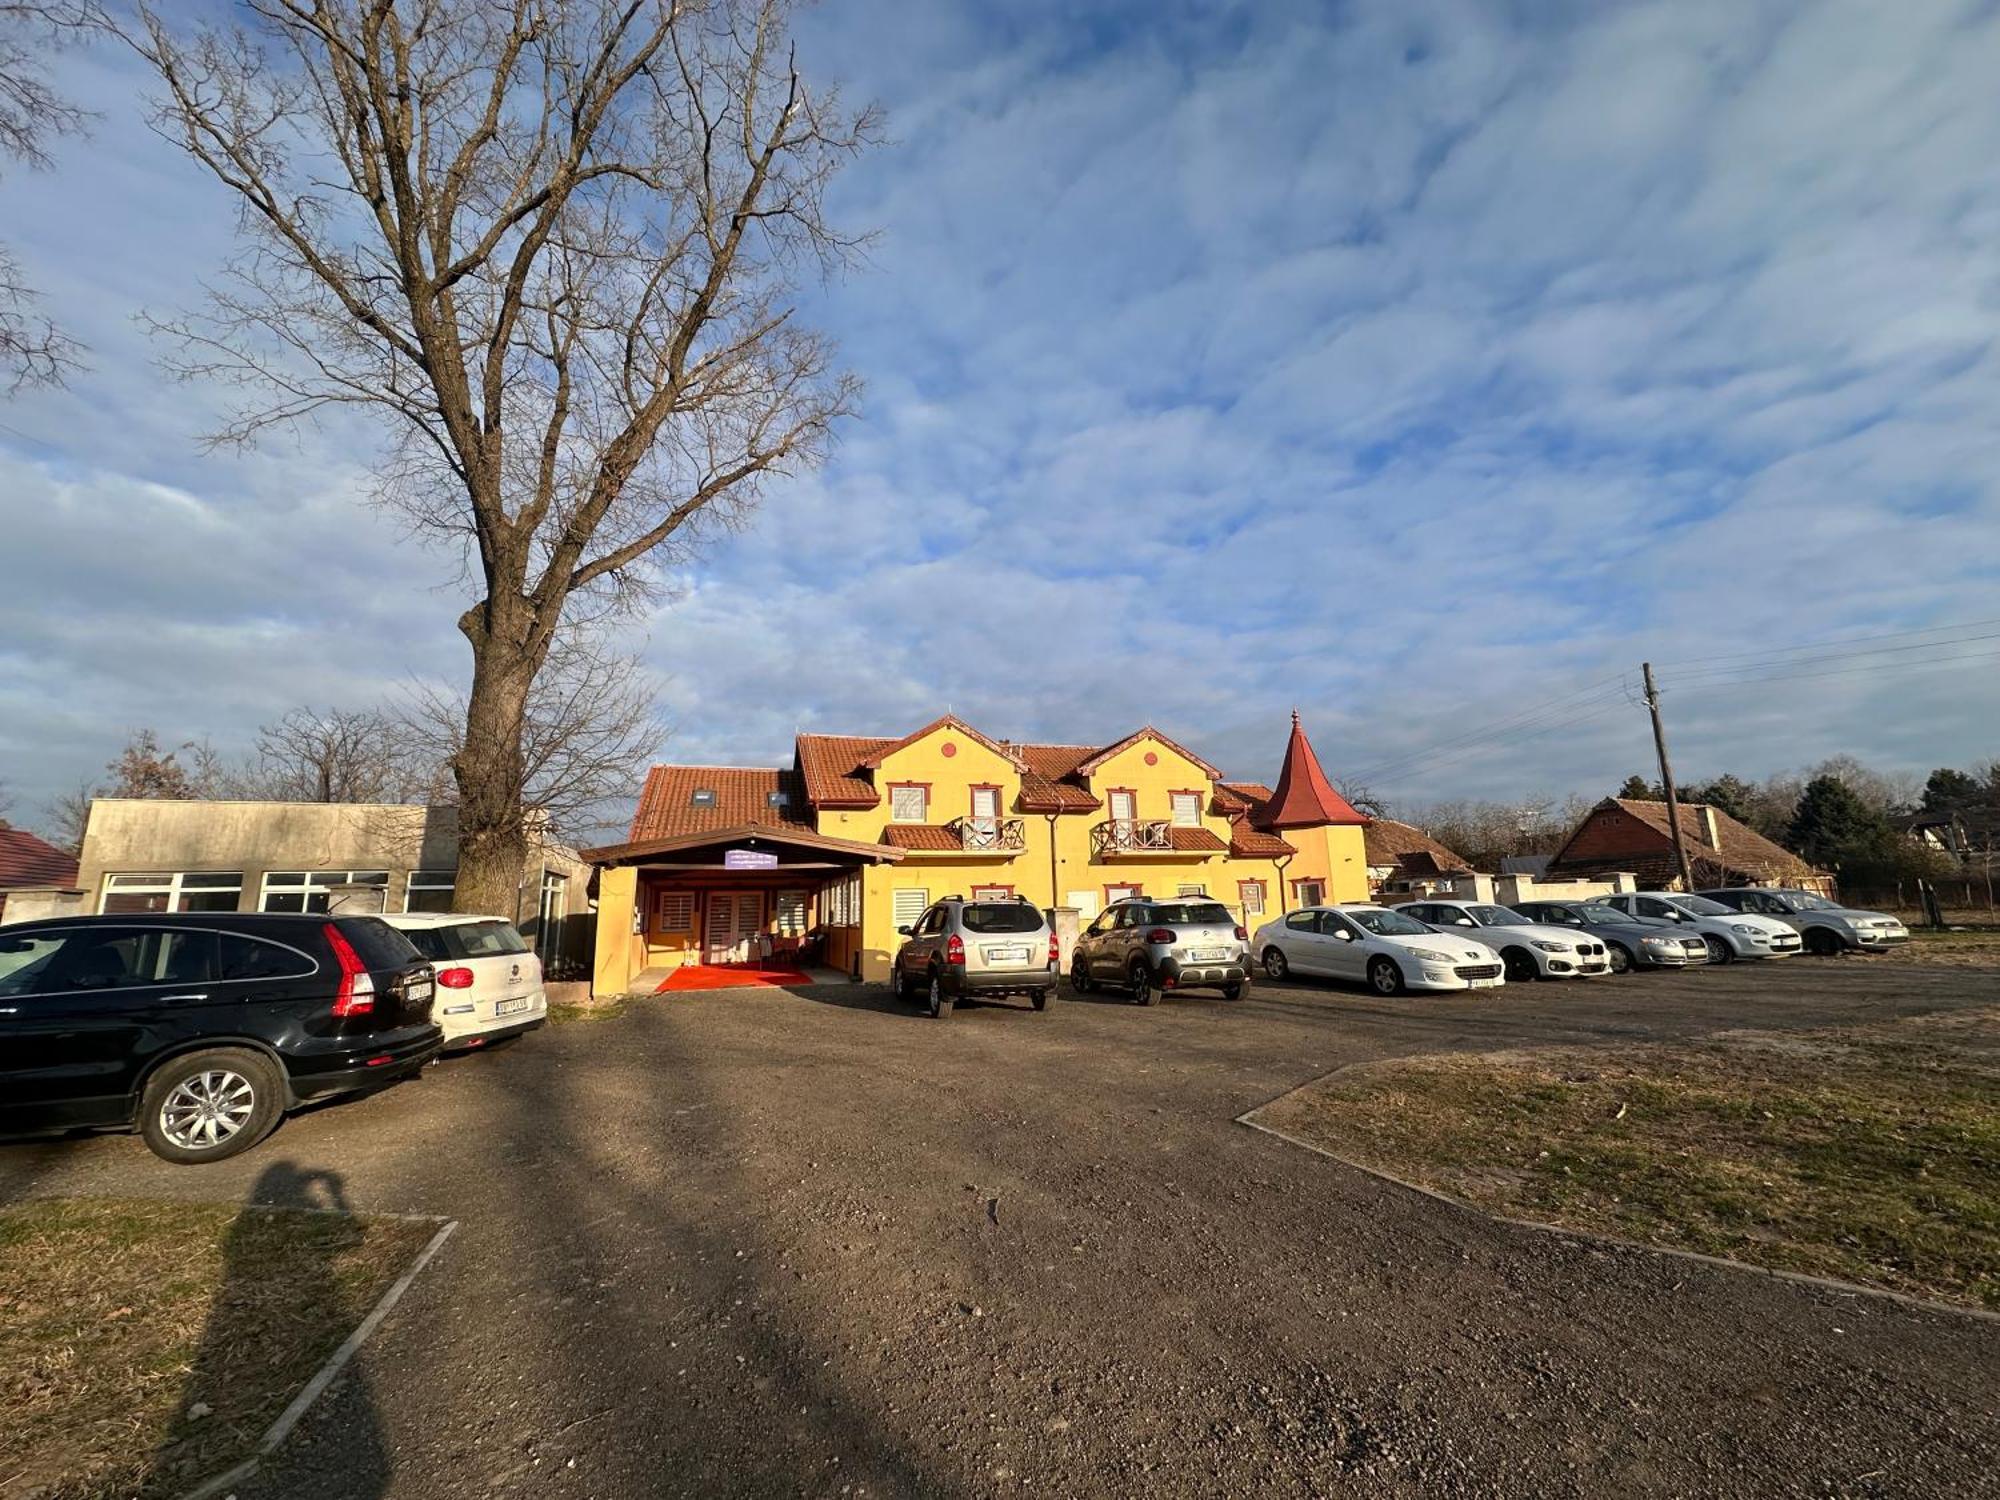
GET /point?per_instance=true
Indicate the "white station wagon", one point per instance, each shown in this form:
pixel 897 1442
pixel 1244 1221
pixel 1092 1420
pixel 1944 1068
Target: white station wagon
pixel 489 983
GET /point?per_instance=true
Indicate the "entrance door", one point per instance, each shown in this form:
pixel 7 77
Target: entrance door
pixel 734 920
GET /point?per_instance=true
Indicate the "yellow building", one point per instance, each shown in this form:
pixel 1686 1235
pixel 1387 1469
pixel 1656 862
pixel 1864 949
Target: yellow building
pixel 820 862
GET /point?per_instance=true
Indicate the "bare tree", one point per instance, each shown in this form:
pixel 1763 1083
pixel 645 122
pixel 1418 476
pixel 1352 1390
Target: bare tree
pixel 68 816
pixel 338 755
pixel 588 732
pixel 33 351
pixel 550 244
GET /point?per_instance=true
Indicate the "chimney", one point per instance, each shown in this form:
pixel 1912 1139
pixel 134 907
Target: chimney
pixel 1708 829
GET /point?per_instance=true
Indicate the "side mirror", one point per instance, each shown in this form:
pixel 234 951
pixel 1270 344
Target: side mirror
pixel 903 931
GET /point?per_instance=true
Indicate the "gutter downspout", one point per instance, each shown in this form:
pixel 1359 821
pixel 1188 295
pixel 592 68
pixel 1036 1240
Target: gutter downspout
pixel 1283 908
pixel 1055 892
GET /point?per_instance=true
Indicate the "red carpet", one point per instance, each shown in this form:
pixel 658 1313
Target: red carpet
pixel 721 977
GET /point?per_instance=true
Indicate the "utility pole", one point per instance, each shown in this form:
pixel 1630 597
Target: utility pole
pixel 1667 779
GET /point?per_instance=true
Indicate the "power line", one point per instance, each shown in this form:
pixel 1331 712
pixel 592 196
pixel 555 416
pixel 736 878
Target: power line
pixel 1548 717
pixel 1839 656
pixel 1863 670
pixel 1857 640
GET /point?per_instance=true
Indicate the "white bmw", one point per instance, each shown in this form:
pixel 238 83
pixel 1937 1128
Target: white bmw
pixel 1530 950
pixel 1384 948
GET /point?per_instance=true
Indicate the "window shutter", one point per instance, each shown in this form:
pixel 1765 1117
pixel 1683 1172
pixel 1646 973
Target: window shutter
pixel 1187 809
pixel 906 804
pixel 791 913
pixel 906 904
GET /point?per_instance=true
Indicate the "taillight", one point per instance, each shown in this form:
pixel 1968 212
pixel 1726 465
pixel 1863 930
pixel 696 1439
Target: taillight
pixel 1160 935
pixel 356 995
pixel 1055 950
pixel 455 979
pixel 1242 934
pixel 954 949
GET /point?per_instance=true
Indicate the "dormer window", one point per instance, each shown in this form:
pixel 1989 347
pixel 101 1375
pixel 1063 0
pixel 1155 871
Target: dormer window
pixel 776 799
pixel 703 796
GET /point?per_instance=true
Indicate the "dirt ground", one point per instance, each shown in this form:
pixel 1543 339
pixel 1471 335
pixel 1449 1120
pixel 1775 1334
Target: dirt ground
pixel 816 1243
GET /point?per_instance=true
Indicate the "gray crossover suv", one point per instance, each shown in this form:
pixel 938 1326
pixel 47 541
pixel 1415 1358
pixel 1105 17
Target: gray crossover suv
pixel 960 948
pixel 1827 926
pixel 1150 945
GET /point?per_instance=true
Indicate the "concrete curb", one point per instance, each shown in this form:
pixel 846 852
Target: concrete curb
pixel 279 1430
pixel 1585 1236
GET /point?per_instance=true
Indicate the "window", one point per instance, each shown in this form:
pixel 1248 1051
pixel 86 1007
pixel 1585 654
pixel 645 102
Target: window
pixel 429 890
pixel 843 902
pixel 776 799
pixel 992 892
pixel 253 958
pixel 1190 890
pixel 1192 911
pixel 1187 809
pixel 791 914
pixel 1302 921
pixel 909 803
pixel 1001 916
pixel 1310 892
pixel 1251 893
pixel 702 796
pixel 676 911
pixel 104 958
pixel 1122 892
pixel 192 891
pixel 463 940
pixel 906 904
pixel 293 890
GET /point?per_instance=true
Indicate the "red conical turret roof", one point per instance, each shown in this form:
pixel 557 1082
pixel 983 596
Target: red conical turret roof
pixel 1304 798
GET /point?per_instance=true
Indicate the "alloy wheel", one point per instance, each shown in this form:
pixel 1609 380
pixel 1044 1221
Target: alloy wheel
pixel 207 1109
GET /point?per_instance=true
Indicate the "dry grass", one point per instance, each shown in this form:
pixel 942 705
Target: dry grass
pixel 1871 1154
pixel 1972 948
pixel 594 1010
pixel 120 1320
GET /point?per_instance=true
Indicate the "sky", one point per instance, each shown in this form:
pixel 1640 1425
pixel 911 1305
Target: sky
pixel 1421 366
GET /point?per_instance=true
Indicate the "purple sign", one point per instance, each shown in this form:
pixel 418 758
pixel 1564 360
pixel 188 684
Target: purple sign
pixel 748 859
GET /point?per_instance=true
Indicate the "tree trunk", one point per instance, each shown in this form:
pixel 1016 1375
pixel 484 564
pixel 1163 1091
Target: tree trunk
pixel 493 841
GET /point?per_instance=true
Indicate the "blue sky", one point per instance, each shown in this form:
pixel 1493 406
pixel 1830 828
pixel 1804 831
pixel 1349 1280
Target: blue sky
pixel 1413 364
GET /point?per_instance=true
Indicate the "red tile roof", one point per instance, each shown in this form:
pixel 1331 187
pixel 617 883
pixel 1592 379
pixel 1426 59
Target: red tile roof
pixel 832 767
pixel 1246 842
pixel 930 836
pixel 1237 797
pixel 1048 781
pixel 742 795
pixel 1304 797
pixel 28 861
pixel 948 721
pixel 1196 841
pixel 1393 845
pixel 1622 833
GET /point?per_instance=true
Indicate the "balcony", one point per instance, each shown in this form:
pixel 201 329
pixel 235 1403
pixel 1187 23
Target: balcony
pixel 1132 836
pixel 990 835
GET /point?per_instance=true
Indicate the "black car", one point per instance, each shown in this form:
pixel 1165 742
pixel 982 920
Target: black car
pixel 202 1029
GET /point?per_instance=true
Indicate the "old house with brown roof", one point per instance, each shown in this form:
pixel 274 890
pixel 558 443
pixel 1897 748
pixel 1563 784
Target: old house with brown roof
pixel 1625 834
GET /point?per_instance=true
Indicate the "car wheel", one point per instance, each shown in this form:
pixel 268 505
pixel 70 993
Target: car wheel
pixel 1144 991
pixel 210 1105
pixel 1520 965
pixel 940 1001
pixel 1276 964
pixel 1079 975
pixel 1043 997
pixel 1822 943
pixel 1621 958
pixel 1719 951
pixel 1384 977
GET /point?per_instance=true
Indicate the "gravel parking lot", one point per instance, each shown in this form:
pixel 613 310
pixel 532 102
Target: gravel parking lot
pixel 782 1243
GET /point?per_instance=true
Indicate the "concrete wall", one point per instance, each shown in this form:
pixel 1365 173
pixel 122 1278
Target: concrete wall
pixel 35 903
pixel 1505 890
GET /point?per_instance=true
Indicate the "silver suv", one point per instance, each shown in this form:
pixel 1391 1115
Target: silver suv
pixel 1153 944
pixel 960 948
pixel 1827 926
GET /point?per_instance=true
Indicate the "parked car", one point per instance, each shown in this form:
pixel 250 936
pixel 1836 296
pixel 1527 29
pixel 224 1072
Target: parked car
pixel 1153 945
pixel 1730 934
pixel 490 982
pixel 960 948
pixel 1529 949
pixel 1826 927
pixel 1631 942
pixel 1390 951
pixel 202 1029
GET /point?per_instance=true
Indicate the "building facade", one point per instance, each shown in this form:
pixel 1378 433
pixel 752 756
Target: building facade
pixel 823 861
pixel 156 855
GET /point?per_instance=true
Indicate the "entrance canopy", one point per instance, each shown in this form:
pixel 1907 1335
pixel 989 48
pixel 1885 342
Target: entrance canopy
pixel 745 850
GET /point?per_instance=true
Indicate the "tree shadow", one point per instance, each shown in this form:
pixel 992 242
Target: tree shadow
pixel 280 1293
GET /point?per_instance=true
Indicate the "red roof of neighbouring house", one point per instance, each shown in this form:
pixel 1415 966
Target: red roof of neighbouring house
pixel 1399 846
pixel 1624 833
pixel 742 795
pixel 26 861
pixel 1304 798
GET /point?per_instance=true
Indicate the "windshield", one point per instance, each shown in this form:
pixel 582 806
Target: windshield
pixel 1386 923
pixel 1496 916
pixel 1596 913
pixel 1701 906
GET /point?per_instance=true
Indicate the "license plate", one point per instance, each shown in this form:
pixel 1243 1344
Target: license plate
pixel 1484 984
pixel 1209 955
pixel 1006 955
pixel 510 1007
pixel 419 989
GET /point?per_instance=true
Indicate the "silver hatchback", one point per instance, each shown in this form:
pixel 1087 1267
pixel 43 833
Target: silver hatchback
pixel 960 948
pixel 1153 945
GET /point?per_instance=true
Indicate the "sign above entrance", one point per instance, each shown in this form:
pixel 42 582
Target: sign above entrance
pixel 749 859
